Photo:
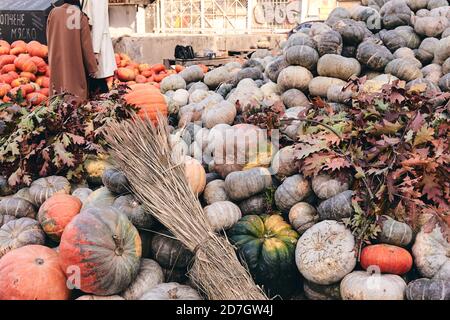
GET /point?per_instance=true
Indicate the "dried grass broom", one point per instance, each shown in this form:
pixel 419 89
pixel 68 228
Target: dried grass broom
pixel 143 152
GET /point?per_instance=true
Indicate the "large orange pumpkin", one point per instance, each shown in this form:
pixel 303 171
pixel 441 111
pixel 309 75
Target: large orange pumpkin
pixel 56 213
pixel 126 74
pixel 150 101
pixel 4 47
pixel 8 68
pixel 388 258
pixel 19 43
pixel 106 249
pixel 36 98
pixel 32 273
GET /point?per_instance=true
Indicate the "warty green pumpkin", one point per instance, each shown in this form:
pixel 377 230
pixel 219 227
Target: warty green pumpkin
pixel 267 244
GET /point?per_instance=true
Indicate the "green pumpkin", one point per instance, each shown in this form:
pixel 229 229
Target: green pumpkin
pixel 267 244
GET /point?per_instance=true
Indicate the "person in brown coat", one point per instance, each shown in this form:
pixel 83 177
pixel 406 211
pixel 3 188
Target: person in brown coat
pixel 70 52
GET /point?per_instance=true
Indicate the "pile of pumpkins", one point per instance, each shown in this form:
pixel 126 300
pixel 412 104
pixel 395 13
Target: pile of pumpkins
pixel 60 241
pixel 23 66
pixel 131 72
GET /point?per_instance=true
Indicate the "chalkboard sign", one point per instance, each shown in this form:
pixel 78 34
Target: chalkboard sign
pixel 25 19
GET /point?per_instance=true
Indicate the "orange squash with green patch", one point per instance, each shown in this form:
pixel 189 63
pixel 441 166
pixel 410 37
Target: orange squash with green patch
pixel 105 249
pixel 267 244
pixel 56 213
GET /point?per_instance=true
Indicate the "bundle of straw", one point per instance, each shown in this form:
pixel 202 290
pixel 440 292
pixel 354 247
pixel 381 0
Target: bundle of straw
pixel 142 151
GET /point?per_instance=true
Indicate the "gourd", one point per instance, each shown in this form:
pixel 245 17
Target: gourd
pixel 403 69
pixel 267 244
pixel 392 39
pixel 173 82
pixel 336 66
pixel 442 51
pixel 338 93
pixel 56 213
pixel 300 39
pixel 446 66
pixel 292 128
pixel 303 216
pixel 100 198
pixel 330 42
pixel 337 207
pixel 169 252
pixel 422 85
pixel 417 4
pixel 431 256
pixel 294 189
pixel 294 77
pixel 315 291
pixel 413 40
pixel 374 56
pixel 19 233
pixel 368 15
pixel 5 219
pixel 444 82
pixel 245 95
pixel 150 275
pixel 82 194
pixel 361 285
pixel 386 258
pixel 325 186
pixel 223 112
pixel 425 53
pixel 195 174
pixel 255 62
pixel 126 74
pixel 32 273
pixel 222 215
pixel 303 56
pixel 241 185
pixel 337 14
pixel 94 168
pixel 294 98
pixel 17 207
pixel 135 212
pixel 257 204
pixel 430 26
pixel 192 74
pixel 192 87
pixel 150 101
pixel 217 76
pixel 319 85
pixel 433 4
pixel 274 68
pixel 395 13
pixel 395 232
pixel 283 163
pixel 428 289
pixel 106 249
pixel 43 188
pixel 247 73
pixel 171 291
pixel 215 192
pixel 328 239
pixel 352 32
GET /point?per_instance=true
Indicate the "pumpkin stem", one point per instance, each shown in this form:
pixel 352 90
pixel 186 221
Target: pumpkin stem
pixel 119 245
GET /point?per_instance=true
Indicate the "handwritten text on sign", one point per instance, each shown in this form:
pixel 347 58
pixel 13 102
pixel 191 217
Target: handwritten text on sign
pixel 17 26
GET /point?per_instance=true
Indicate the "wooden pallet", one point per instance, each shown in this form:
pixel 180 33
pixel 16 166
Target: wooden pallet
pixel 210 62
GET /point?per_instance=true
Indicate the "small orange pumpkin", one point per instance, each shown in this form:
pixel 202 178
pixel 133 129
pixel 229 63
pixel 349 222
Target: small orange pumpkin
pixel 388 258
pixel 56 213
pixel 19 43
pixel 159 77
pixel 19 81
pixel 7 68
pixel 126 74
pixel 147 73
pixel 144 66
pixel 18 50
pixel 4 89
pixel 43 82
pixel 4 47
pixel 28 75
pixel 32 273
pixel 7 59
pixel 6 78
pixel 40 64
pixel 141 79
pixel 36 98
pixel 149 100
pixel 157 68
pixel 36 49
pixel 45 91
pixel 25 64
pixel 179 68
